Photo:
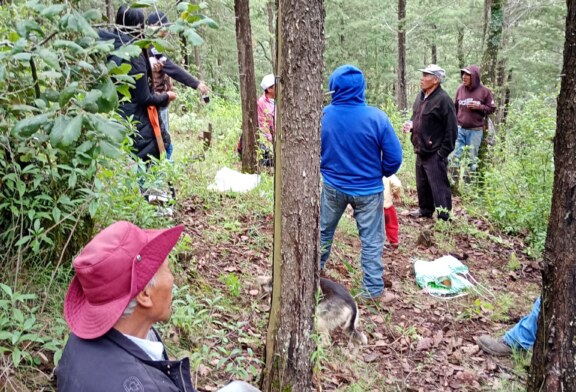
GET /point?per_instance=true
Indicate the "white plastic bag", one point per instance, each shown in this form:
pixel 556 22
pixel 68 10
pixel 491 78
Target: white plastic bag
pixel 231 180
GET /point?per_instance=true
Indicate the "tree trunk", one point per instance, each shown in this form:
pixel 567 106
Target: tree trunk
pixel 248 92
pixel 460 48
pixel 110 11
pixel 493 41
pixel 487 5
pixel 272 32
pixel 434 51
pixel 401 90
pixel 289 347
pixel 553 365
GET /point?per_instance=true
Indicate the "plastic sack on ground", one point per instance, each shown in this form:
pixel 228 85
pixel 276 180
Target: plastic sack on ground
pixel 446 276
pixel 231 180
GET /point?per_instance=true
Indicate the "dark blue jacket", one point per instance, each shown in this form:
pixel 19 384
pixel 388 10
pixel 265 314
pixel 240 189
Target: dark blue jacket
pixel 141 97
pixel 113 363
pixel 359 145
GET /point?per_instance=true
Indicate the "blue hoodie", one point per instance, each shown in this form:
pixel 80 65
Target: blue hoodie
pixel 359 145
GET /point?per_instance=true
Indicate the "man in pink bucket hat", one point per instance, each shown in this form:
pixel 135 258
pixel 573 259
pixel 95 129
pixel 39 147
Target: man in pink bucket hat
pixel 122 287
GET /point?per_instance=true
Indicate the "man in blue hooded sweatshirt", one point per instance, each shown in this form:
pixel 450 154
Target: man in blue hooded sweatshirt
pixel 359 147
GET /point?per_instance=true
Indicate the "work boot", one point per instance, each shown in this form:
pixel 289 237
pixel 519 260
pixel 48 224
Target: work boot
pixel 492 346
pixel 418 213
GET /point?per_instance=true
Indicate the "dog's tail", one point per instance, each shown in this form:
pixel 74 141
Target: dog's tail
pixel 357 337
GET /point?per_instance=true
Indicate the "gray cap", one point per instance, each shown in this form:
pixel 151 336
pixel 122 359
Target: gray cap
pixel 435 70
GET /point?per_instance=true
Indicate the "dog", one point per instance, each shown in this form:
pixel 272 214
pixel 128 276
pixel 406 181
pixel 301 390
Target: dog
pixel 336 308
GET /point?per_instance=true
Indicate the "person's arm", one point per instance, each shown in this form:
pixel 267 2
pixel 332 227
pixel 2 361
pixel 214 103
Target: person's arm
pixel 391 157
pixel 142 94
pixel 450 128
pixel 487 106
pixel 179 74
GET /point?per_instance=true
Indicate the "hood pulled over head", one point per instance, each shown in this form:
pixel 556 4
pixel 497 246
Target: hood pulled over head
pixel 347 85
pixel 474 72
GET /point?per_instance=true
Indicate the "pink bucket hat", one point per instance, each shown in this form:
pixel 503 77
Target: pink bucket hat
pixel 110 271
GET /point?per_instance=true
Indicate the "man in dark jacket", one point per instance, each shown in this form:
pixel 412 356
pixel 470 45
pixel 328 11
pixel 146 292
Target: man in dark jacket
pixel 164 70
pixel 121 288
pixel 129 22
pixel 359 147
pixel 473 103
pixel 434 131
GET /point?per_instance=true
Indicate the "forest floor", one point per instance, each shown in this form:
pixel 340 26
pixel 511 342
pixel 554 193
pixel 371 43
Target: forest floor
pixel 416 343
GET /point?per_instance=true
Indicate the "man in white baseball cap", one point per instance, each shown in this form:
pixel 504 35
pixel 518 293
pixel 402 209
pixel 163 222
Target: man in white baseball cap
pixel 434 130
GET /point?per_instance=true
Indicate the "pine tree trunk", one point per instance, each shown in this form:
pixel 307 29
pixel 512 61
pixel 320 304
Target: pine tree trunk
pixel 248 93
pixel 198 62
pixel 401 91
pixel 272 32
pixel 110 11
pixel 553 365
pixel 434 48
pixel 460 48
pixel 289 347
pixel 493 41
pixel 487 5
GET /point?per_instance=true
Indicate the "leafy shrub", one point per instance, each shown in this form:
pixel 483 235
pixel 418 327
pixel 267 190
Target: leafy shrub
pixel 518 184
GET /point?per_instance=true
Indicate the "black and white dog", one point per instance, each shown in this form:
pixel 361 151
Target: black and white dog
pixel 336 309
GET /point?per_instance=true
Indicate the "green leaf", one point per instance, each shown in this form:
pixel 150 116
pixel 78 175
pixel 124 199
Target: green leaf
pixel 18 316
pixel 5 335
pixel 26 127
pixel 115 131
pixel 72 130
pixel 127 52
pixel 7 289
pixel 193 37
pixel 121 69
pixel 57 132
pixel 24 27
pixel 65 44
pixel 49 58
pixel 16 356
pixel 92 15
pixel 68 93
pixel 109 150
pixel 108 101
pixel 24 56
pixel 143 3
pixel 84 27
pixel 53 10
pixel 205 21
pixel 89 103
pixel 93 208
pixel 85 65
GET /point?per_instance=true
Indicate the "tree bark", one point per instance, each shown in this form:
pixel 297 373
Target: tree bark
pixel 493 41
pixel 487 5
pixel 460 48
pixel 248 92
pixel 553 365
pixel 401 90
pixel 272 32
pixel 110 11
pixel 434 51
pixel 289 347
pixel 198 62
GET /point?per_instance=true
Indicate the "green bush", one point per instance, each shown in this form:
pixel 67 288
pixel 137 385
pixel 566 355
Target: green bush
pixel 518 183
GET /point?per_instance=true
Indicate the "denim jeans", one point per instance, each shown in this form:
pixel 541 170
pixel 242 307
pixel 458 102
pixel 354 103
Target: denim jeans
pixel 467 138
pixel 523 334
pixel 369 221
pixel 165 124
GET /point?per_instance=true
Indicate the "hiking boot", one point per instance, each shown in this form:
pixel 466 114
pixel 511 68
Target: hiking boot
pixel 492 346
pixel 384 299
pixel 418 213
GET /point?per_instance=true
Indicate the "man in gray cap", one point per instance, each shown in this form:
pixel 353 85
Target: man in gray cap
pixel 434 131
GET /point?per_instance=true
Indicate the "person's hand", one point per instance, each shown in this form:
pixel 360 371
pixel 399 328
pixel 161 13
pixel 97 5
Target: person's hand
pixel 157 66
pixel 474 105
pixel 171 96
pixel 204 90
pixel 407 126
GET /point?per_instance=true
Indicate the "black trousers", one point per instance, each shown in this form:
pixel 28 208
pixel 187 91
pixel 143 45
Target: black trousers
pixel 432 184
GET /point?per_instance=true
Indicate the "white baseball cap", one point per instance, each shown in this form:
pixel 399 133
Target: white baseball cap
pixel 435 70
pixel 268 81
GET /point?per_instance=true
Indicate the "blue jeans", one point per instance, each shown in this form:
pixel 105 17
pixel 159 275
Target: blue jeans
pixel 523 334
pixel 369 220
pixel 165 124
pixel 472 139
